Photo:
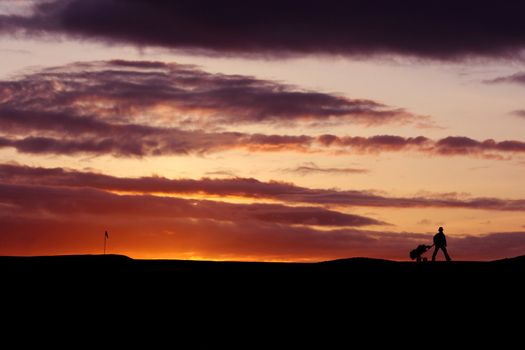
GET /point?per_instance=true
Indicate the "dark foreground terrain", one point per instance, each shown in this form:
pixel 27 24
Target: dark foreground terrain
pixel 356 275
pixel 346 299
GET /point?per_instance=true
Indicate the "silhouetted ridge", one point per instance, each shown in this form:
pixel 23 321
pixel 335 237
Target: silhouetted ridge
pixel 359 260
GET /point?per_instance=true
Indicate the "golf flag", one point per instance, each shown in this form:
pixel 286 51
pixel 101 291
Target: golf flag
pixel 106 236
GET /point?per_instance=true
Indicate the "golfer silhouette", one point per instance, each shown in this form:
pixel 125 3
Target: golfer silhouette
pixel 440 242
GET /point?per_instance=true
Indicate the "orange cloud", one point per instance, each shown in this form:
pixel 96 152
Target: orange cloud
pixel 68 212
pixel 209 239
pixel 248 188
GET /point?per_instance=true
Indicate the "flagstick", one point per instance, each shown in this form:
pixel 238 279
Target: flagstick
pixel 105 239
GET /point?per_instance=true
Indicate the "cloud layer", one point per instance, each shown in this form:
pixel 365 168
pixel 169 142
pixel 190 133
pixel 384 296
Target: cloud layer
pixel 183 95
pixel 68 211
pixel 148 108
pixel 38 200
pixel 143 108
pixel 249 188
pixel 155 236
pixel 444 29
pixel 133 140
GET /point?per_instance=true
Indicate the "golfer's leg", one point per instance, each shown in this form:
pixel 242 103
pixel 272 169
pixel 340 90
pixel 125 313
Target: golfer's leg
pixel 446 253
pixel 434 254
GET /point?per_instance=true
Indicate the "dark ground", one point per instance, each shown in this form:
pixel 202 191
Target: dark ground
pixel 356 275
pixel 342 300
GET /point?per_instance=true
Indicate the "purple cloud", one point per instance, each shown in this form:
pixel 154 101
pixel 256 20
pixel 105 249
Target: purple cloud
pixel 438 30
pixel 517 78
pixel 143 108
pixel 243 187
pixel 177 95
pixel 520 113
pixel 35 201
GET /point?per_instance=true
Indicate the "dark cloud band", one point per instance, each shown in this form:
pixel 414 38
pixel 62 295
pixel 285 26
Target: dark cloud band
pixel 444 29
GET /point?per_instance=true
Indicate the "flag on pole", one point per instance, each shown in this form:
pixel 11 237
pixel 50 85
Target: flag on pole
pixel 106 236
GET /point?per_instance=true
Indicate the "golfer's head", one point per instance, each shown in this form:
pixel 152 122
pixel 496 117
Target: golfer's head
pixel 440 229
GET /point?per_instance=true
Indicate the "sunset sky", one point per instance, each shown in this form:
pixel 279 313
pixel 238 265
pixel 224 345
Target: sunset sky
pixel 262 130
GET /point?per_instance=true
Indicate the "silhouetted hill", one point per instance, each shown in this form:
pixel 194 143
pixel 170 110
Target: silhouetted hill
pixel 225 286
pixel 113 267
pixel 112 260
pixel 259 296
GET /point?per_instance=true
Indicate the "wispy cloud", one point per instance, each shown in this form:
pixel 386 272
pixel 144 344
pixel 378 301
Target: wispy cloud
pixel 425 222
pixel 520 113
pixel 221 172
pixel 312 168
pixel 517 78
pixel 15 51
